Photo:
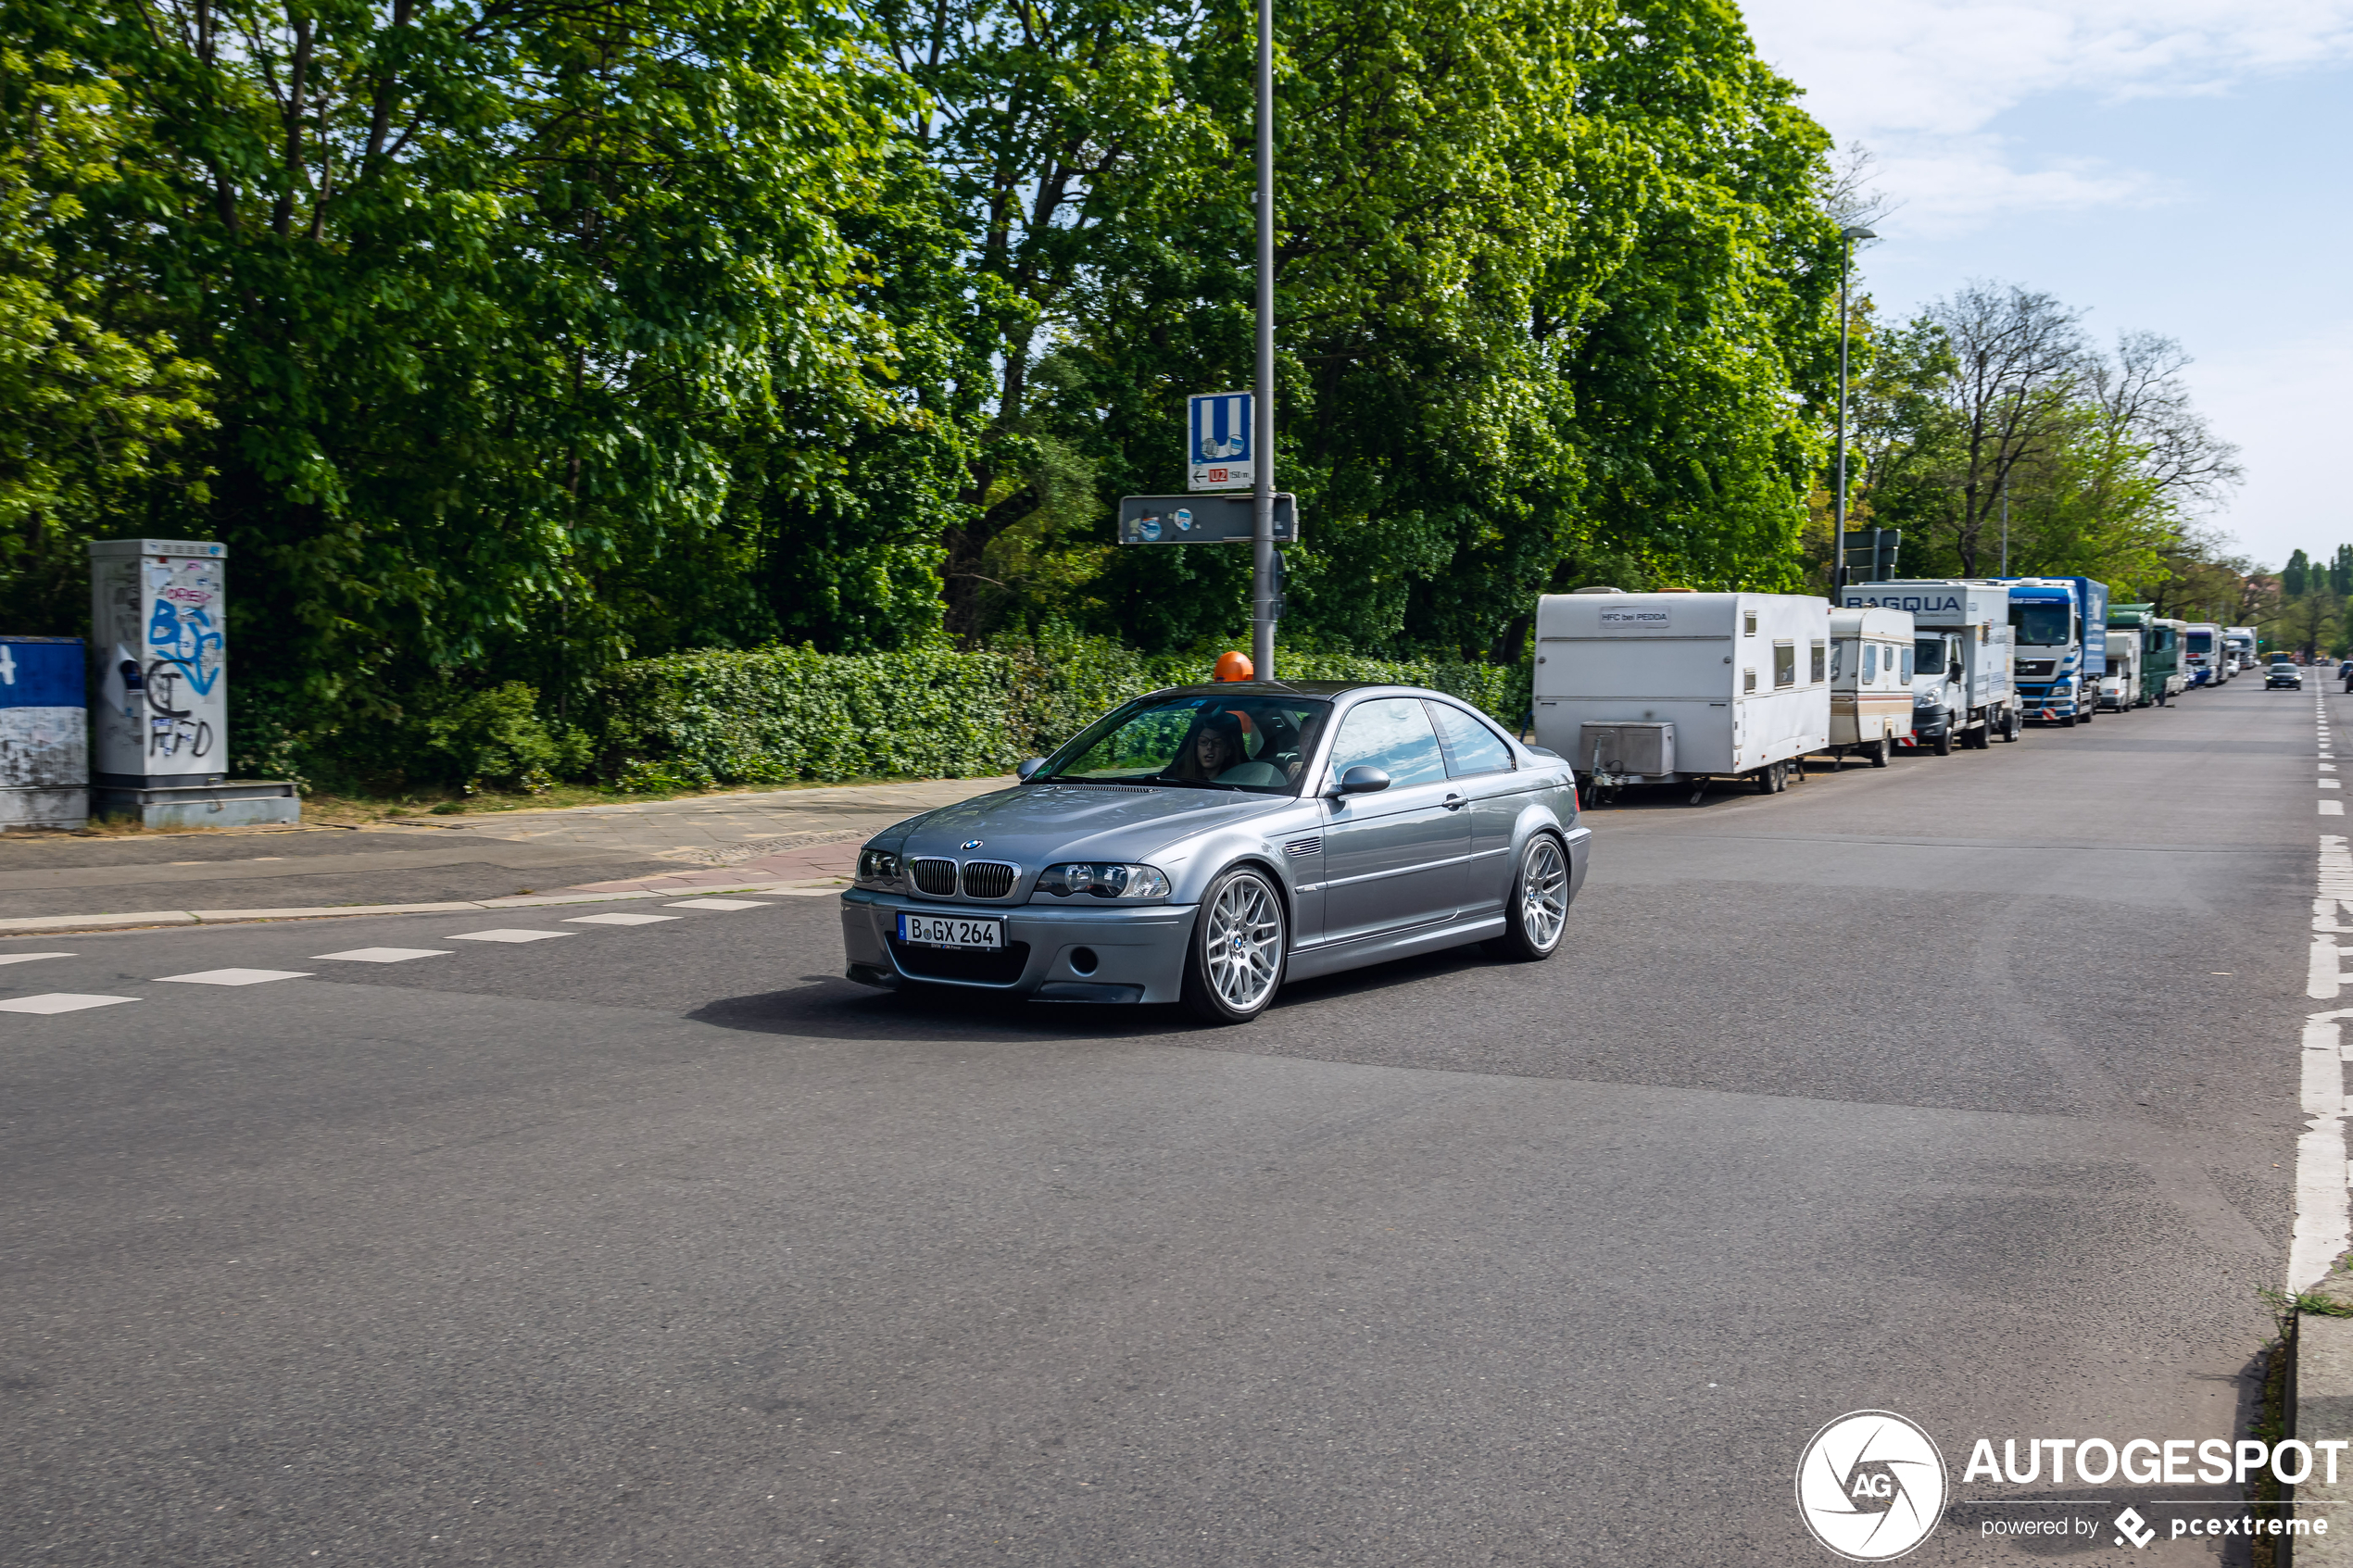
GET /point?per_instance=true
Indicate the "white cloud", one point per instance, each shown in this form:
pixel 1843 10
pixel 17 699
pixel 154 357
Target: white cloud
pixel 1945 67
pixel 1947 185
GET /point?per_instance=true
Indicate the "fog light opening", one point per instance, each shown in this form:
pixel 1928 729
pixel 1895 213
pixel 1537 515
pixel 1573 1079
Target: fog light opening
pixel 1082 961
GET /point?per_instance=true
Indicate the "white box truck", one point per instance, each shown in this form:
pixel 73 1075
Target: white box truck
pixel 1870 684
pixel 1698 686
pixel 1964 668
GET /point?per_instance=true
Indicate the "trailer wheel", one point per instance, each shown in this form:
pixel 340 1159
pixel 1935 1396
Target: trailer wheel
pixel 1877 752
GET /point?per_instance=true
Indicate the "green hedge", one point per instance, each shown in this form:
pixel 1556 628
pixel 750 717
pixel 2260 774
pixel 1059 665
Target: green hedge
pixel 778 714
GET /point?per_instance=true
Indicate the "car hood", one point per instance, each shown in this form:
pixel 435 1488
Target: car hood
pixel 1034 824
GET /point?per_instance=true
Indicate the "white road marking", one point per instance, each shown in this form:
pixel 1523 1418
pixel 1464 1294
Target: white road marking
pixel 506 936
pixel 619 919
pixel 60 1001
pixel 231 977
pixel 385 955
pixel 2332 807
pixel 28 958
pixel 717 904
pixel 2328 783
pixel 2321 1194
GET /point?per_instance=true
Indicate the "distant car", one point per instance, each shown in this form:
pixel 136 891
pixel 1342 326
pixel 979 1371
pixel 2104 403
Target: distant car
pixel 2283 673
pixel 1205 844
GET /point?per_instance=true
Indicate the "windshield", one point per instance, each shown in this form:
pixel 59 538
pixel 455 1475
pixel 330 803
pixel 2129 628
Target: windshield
pixel 2042 625
pixel 1928 657
pixel 2201 641
pixel 1259 744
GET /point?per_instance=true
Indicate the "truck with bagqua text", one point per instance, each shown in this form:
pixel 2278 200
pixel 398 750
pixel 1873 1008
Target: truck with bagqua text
pixel 1964 691
pixel 2059 627
pixel 1681 688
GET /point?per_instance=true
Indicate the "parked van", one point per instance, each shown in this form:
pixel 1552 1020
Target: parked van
pixel 1683 688
pixel 1870 683
pixel 2121 685
pixel 1964 686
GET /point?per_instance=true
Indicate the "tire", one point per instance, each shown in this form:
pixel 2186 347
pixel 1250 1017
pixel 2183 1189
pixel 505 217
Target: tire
pixel 1536 919
pixel 1944 742
pixel 2012 729
pixel 2067 721
pixel 1771 779
pixel 1878 752
pixel 1241 941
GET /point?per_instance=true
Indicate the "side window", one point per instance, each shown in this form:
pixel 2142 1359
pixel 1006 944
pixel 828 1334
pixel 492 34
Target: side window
pixel 1471 746
pixel 1907 664
pixel 1392 735
pixel 1818 676
pixel 1784 665
pixel 1748 624
pixel 1838 659
pixel 1748 680
pixel 1871 662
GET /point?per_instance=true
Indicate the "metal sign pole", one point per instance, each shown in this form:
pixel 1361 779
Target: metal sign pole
pixel 1262 544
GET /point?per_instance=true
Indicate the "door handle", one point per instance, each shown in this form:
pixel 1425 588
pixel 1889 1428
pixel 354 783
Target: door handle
pixel 1455 803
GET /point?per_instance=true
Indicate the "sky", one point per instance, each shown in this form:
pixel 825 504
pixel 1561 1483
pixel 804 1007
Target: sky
pixel 2174 166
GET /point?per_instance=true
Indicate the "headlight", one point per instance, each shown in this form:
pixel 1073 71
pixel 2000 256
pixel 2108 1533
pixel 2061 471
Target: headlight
pixel 878 868
pixel 1102 881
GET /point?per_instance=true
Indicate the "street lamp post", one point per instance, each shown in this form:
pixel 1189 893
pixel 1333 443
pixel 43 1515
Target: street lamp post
pixel 1261 528
pixel 1847 238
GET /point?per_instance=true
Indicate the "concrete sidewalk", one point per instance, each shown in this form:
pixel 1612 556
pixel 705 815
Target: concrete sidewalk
pixel 768 839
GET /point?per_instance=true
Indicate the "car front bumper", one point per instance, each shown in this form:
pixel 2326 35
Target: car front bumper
pixel 1137 954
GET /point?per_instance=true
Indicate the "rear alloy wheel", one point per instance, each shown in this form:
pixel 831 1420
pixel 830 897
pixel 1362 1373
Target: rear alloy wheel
pixel 1239 944
pixel 1537 913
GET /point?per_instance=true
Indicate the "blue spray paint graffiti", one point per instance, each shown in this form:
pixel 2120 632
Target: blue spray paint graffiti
pixel 185 640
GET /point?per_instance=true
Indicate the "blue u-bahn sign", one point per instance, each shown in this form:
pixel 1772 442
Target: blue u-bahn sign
pixel 1219 430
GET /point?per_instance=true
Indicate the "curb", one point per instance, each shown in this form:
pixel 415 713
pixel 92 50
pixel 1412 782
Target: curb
pixel 59 923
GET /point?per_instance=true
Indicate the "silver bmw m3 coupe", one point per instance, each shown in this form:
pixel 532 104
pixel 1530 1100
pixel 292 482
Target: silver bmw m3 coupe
pixel 1204 844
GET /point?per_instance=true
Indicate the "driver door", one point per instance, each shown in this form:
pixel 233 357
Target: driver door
pixel 1397 858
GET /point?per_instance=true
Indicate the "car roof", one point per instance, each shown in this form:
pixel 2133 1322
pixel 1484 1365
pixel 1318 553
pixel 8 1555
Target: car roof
pixel 1294 688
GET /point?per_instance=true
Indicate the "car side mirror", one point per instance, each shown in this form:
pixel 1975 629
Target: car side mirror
pixel 1029 770
pixel 1953 673
pixel 1361 780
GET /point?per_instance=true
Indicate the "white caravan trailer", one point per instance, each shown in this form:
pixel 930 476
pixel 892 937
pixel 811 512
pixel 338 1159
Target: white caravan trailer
pixel 1681 688
pixel 2121 688
pixel 1870 683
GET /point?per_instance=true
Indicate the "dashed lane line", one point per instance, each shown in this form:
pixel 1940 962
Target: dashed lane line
pixel 505 934
pixel 619 919
pixel 28 958
pixel 719 903
pixel 384 955
pixel 60 1001
pixel 231 977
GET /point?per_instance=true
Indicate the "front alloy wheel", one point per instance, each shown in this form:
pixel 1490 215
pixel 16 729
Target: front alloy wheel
pixel 1240 943
pixel 1537 913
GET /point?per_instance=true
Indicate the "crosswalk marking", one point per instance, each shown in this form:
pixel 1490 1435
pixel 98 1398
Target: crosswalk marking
pixel 384 955
pixel 60 1001
pixel 618 918
pixel 231 977
pixel 28 958
pixel 717 904
pixel 507 935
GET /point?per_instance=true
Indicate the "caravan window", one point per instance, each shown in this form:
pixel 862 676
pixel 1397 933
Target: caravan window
pixel 1748 624
pixel 1816 676
pixel 1838 659
pixel 1907 663
pixel 1784 664
pixel 1871 662
pixel 1748 680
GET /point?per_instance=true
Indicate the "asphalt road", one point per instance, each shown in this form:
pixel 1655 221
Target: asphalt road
pixel 1965 1089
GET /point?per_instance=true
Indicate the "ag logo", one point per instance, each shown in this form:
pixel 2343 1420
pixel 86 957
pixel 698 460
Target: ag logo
pixel 1871 1486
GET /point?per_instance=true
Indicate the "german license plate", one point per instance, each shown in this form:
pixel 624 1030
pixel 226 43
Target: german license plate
pixel 952 931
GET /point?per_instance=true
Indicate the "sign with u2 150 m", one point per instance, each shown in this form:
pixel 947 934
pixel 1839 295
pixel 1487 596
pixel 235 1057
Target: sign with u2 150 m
pixel 1219 430
pixel 1200 519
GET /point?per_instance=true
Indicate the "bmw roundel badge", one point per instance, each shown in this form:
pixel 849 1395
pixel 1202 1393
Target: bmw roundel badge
pixel 971 844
